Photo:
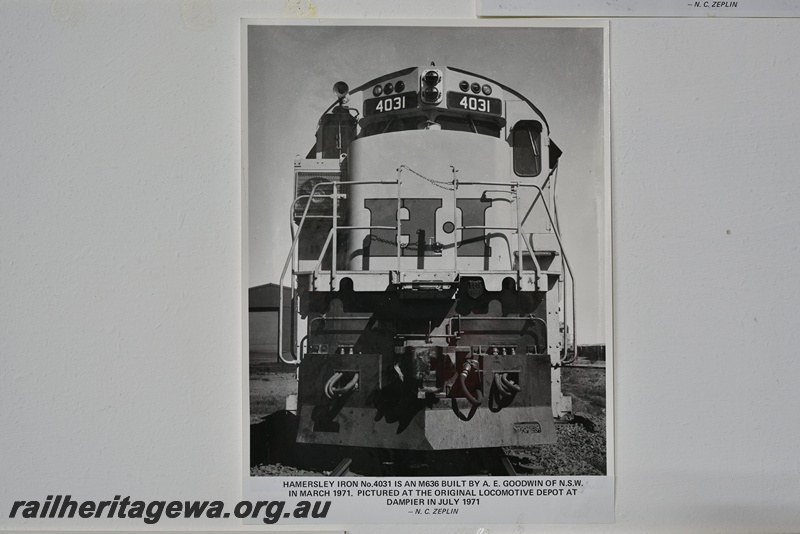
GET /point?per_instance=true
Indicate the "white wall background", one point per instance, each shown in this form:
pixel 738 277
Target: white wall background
pixel 121 241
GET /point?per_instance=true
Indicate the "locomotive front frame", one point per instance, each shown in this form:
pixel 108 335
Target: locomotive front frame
pixel 427 269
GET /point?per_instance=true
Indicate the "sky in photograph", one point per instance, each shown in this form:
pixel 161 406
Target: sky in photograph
pixel 292 68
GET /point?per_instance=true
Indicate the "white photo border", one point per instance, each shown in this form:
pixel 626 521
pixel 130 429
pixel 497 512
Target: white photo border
pixel 594 503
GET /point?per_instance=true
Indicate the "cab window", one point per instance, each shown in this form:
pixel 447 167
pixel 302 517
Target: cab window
pixel 526 142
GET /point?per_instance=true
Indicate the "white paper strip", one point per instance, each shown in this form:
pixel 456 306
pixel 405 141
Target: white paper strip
pixel 637 8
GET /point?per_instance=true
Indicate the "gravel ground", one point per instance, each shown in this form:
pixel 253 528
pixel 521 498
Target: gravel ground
pixel 279 470
pixel 579 451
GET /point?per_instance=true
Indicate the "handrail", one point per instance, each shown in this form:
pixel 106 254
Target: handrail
pixel 556 233
pixel 290 257
pixel 295 361
pixel 513 186
pixel 455 218
pixel 517 229
pixel 515 196
pixel 328 240
pixel 335 222
pixel 460 318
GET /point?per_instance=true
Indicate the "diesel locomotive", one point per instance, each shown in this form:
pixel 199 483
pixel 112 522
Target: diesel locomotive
pixel 430 294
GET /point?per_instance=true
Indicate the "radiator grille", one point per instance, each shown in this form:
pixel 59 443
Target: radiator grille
pixel 322 203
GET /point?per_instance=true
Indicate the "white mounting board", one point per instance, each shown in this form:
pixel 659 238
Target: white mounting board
pixel 120 232
pixel 637 8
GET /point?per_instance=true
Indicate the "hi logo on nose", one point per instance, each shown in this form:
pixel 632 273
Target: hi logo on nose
pixel 418 232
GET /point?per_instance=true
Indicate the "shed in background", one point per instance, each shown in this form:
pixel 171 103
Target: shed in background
pixel 263 303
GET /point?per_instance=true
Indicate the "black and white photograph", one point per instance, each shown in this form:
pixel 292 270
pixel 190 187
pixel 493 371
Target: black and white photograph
pixel 428 253
pixel 347 265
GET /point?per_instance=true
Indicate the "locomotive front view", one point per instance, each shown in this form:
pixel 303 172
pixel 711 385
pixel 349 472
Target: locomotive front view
pixel 429 282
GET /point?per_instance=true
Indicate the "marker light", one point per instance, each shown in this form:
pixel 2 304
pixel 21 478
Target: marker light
pixel 487 90
pixel 464 86
pixel 377 90
pixel 399 86
pixel 476 87
pixel 388 88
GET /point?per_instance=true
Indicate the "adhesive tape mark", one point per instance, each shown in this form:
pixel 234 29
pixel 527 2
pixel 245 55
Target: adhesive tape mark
pixel 70 11
pixel 198 15
pixel 299 8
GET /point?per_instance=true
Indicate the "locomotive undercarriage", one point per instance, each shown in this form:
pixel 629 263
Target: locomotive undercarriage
pixel 453 368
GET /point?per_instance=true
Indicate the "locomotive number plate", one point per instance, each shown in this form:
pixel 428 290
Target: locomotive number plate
pixel 386 104
pixel 480 104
